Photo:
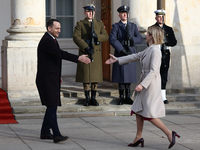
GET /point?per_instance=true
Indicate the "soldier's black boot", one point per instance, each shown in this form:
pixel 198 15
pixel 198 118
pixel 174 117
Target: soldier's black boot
pixel 93 98
pixel 87 98
pixel 121 97
pixel 128 99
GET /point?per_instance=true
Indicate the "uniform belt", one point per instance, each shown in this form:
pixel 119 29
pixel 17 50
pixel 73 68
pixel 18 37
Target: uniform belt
pixel 96 43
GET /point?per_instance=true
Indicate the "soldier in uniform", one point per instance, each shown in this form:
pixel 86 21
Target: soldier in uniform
pixel 82 36
pixel 123 38
pixel 170 40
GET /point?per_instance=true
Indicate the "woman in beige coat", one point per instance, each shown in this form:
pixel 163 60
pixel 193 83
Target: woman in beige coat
pixel 148 104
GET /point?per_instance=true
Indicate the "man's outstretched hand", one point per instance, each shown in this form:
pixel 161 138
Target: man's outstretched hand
pixel 84 59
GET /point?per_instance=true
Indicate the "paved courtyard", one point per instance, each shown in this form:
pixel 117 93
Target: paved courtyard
pixel 102 133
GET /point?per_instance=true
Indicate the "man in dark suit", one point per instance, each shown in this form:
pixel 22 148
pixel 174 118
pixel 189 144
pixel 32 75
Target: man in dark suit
pixel 169 40
pixel 48 78
pixel 123 38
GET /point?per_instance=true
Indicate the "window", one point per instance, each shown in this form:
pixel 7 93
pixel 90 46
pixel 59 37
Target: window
pixel 63 10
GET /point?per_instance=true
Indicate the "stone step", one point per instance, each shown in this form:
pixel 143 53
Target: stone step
pixel 102 113
pixel 101 99
pixel 109 91
pixel 183 97
pixel 72 97
pixel 78 91
pixel 183 91
pixel 103 107
pixel 69 108
pixel 65 101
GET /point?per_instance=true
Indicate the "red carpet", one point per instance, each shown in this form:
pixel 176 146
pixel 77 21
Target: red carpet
pixel 6 116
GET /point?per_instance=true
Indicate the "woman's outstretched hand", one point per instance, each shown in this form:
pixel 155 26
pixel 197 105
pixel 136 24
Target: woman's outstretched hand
pixel 111 60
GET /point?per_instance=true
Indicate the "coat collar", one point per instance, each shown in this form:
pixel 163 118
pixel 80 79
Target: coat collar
pixel 51 35
pixel 122 24
pixel 160 26
pixel 86 20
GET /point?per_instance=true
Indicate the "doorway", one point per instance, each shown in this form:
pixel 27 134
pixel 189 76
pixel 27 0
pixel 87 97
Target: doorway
pixel 106 19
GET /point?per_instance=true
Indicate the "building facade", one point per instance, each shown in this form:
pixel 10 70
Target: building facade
pixel 24 24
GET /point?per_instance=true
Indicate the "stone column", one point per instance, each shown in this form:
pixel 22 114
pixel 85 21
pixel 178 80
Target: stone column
pixel 142 13
pixel 19 49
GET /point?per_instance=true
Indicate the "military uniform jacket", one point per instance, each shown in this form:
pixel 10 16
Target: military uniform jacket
pixel 49 59
pixel 87 73
pixel 170 41
pixel 124 73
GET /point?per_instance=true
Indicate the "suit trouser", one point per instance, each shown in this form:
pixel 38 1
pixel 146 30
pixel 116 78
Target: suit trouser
pixel 164 68
pixel 50 122
pixel 164 75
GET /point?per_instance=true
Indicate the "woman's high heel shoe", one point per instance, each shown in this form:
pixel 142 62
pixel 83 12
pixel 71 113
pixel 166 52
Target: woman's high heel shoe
pixel 174 134
pixel 137 143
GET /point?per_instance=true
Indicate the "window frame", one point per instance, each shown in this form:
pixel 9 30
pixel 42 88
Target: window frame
pixel 53 15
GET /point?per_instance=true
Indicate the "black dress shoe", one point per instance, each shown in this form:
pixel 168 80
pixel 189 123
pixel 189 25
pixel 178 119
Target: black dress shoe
pixel 48 136
pixel 128 101
pixel 94 102
pixel 60 138
pixel 166 102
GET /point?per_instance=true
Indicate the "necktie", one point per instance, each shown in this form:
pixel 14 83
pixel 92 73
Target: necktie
pixel 55 41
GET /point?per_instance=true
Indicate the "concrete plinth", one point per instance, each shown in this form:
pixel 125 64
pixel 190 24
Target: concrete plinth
pixel 19 49
pixel 19 68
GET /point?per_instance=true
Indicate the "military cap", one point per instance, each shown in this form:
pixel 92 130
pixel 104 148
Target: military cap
pixel 160 12
pixel 89 7
pixel 123 9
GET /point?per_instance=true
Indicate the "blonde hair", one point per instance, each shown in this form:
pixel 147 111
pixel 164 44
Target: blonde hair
pixel 157 33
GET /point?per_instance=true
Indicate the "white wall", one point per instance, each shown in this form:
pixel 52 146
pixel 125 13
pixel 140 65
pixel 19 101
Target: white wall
pixel 183 16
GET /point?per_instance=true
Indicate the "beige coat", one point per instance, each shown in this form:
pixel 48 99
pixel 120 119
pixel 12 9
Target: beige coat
pixel 148 102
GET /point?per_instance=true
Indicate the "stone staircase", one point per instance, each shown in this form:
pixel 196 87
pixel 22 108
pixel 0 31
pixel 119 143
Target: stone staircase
pixel 72 97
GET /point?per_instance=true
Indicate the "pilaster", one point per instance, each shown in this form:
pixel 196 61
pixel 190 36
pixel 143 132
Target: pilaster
pixel 19 49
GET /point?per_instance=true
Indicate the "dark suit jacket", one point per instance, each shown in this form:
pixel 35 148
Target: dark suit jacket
pixel 124 73
pixel 49 65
